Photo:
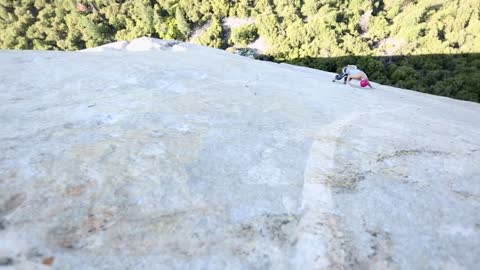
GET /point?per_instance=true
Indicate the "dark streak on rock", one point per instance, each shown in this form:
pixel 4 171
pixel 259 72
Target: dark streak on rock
pixel 346 181
pixel 68 125
pixel 12 203
pixel 65 237
pixel 466 194
pixel 6 261
pixel 34 253
pixel 411 152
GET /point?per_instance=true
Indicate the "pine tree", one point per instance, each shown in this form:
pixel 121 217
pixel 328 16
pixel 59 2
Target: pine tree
pixel 213 37
pixel 182 23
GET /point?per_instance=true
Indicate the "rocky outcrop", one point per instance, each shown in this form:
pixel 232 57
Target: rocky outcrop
pixel 166 155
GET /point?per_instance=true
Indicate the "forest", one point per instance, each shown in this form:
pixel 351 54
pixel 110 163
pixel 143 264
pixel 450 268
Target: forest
pixel 432 46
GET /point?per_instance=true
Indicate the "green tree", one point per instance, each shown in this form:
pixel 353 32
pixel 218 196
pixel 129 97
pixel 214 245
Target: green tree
pixel 213 37
pixel 182 24
pixel 244 35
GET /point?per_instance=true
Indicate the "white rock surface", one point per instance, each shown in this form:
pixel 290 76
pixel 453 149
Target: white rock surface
pixel 138 45
pixel 232 22
pixel 199 159
pixel 260 44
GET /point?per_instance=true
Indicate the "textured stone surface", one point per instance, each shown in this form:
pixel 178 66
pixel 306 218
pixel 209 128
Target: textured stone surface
pixel 186 157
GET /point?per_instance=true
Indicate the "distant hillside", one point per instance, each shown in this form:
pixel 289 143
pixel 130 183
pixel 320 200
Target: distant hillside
pixel 317 33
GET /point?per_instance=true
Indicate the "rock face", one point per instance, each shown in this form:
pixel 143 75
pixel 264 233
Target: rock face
pixel 184 157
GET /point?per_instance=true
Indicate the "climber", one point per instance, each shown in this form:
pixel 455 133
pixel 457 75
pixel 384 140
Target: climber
pixel 344 73
pixel 357 74
pixel 352 72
